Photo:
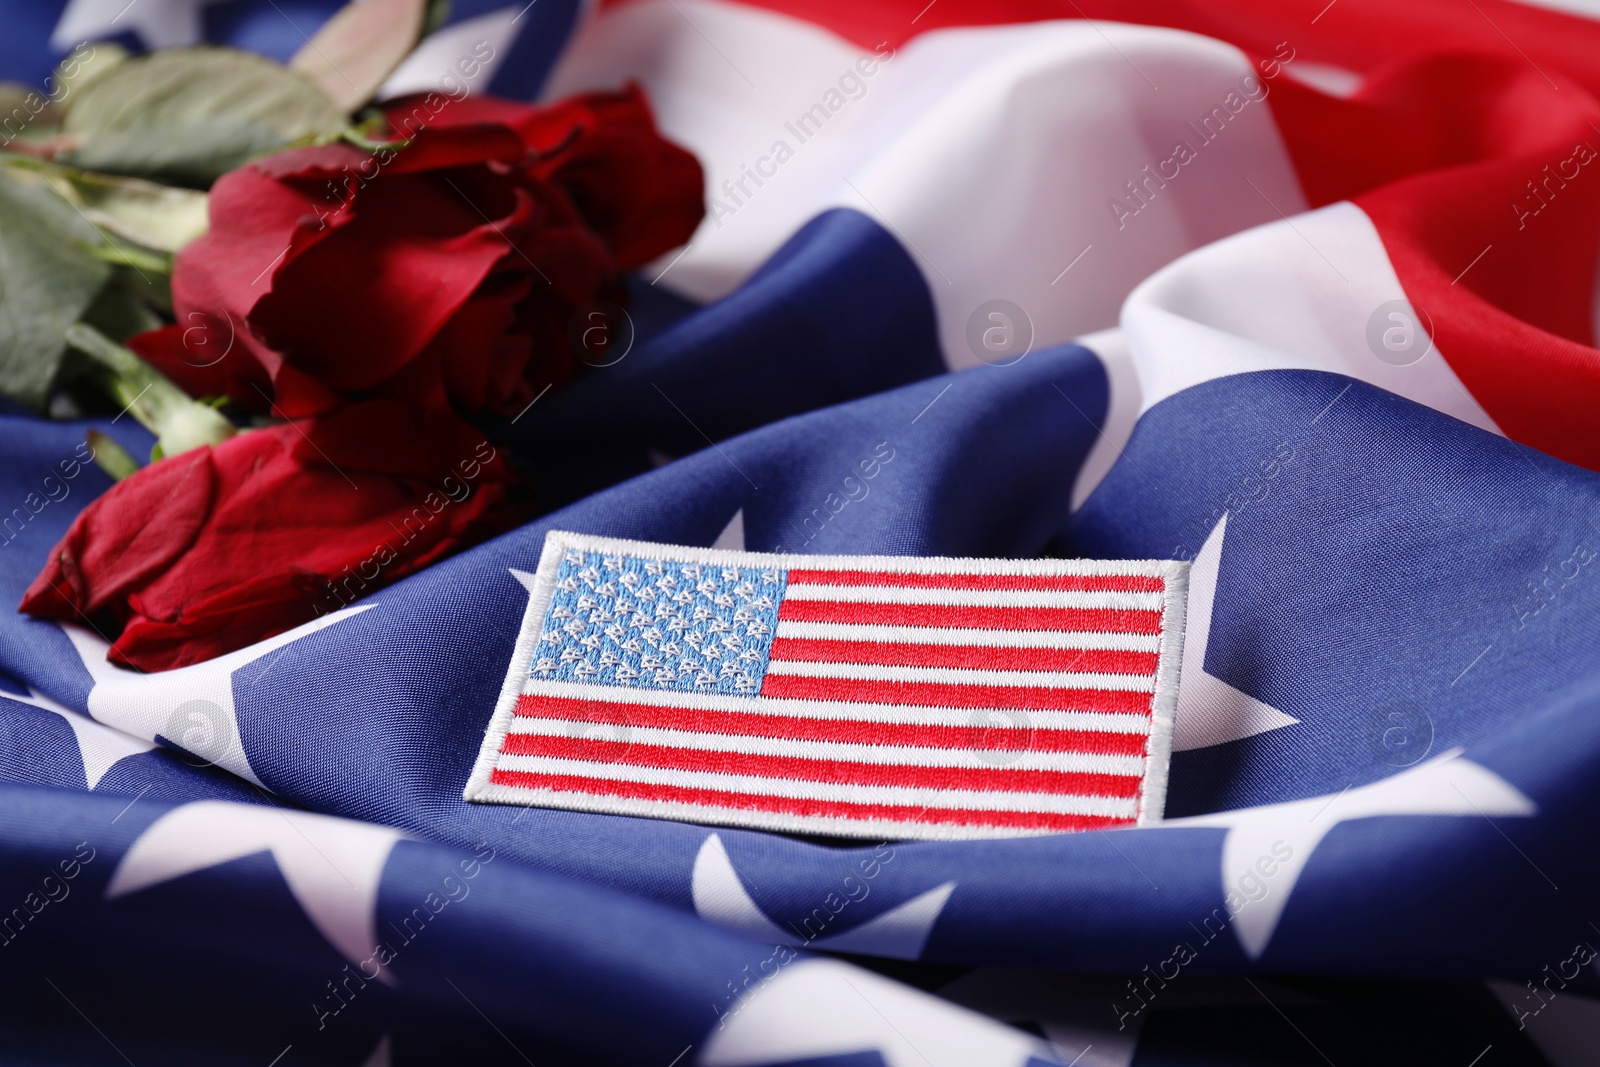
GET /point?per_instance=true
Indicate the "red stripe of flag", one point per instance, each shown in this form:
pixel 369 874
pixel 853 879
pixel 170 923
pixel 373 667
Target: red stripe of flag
pixel 907 654
pixel 823 770
pixel 949 616
pixel 802 806
pixel 946 695
pixel 798 728
pixel 1126 583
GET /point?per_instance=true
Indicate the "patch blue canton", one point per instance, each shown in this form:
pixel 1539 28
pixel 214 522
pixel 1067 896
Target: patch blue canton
pixel 659 624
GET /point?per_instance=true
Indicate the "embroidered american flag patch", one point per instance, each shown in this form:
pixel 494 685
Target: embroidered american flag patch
pixel 863 696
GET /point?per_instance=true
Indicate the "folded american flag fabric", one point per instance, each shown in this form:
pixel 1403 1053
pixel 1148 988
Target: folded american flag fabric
pixel 1297 295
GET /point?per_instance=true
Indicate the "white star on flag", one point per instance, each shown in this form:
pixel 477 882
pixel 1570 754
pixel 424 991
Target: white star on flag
pixel 195 703
pixel 159 23
pixel 1446 785
pixel 899 933
pixel 100 746
pixel 732 535
pixel 1210 711
pixel 1068 1009
pixel 332 865
pixel 435 57
pixel 814 1009
pixel 382 1055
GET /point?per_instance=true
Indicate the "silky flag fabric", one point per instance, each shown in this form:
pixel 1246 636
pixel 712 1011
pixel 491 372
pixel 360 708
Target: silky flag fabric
pixel 1299 295
pixel 848 695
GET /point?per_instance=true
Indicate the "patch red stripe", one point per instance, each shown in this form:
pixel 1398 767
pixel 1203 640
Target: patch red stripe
pixel 752 724
pixel 960 616
pixel 1123 583
pixel 795 768
pixel 1104 661
pixel 947 695
pixel 804 807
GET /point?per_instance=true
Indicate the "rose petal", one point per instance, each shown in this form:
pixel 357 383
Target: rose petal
pixel 367 299
pixel 130 536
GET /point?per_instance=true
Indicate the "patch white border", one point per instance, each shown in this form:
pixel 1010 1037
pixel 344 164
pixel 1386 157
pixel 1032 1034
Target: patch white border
pixel 1164 701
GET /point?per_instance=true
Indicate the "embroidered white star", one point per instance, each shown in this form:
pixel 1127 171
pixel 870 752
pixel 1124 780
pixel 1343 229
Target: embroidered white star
pixel 159 23
pixel 99 745
pixel 190 706
pixel 332 865
pixel 899 933
pixel 1446 785
pixel 693 628
pixel 1210 711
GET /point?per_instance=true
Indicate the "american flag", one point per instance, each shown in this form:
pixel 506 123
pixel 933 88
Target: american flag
pixel 852 695
pixel 1342 356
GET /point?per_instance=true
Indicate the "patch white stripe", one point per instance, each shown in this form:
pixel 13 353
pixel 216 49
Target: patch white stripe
pixel 833 792
pixel 930 635
pixel 965 676
pixel 990 598
pixel 716 815
pixel 844 751
pixel 842 710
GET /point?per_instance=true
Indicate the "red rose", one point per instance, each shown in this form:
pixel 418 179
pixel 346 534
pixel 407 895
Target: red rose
pixel 441 273
pixel 382 300
pixel 631 186
pixel 220 547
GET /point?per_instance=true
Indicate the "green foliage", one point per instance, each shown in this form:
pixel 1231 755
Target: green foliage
pixel 48 280
pixel 188 115
pixel 152 215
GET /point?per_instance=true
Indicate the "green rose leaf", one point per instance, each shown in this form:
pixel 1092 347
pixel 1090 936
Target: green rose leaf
pixel 123 306
pixel 29 116
pixel 26 115
pixel 187 115
pixel 153 215
pixel 48 279
pixel 193 154
pixel 86 64
pixel 359 47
